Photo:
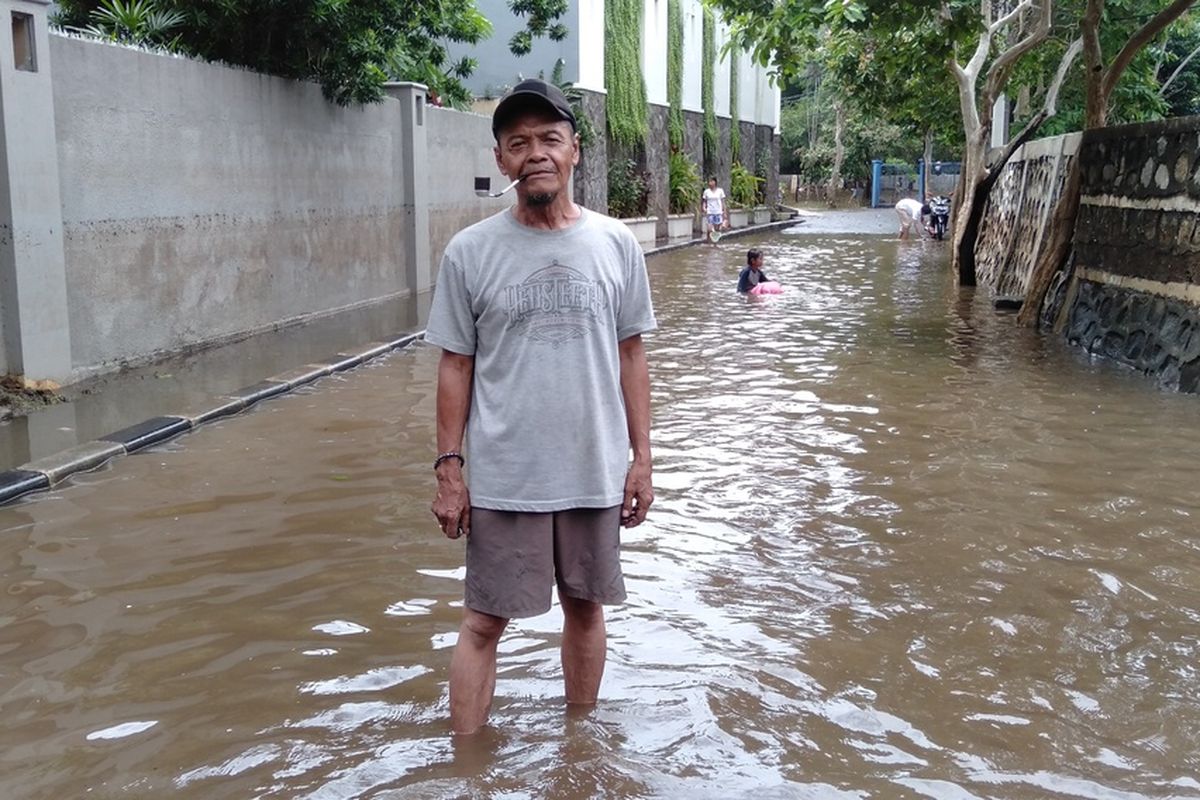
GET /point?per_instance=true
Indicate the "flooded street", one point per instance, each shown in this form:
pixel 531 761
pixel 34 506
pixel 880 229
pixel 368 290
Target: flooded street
pixel 900 549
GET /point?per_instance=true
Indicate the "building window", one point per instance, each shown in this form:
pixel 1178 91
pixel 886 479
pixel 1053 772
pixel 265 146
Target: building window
pixel 23 52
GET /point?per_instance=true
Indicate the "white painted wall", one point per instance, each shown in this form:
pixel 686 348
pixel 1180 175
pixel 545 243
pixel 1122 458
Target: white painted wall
pixel 721 73
pixel 591 45
pixel 747 89
pixel 654 50
pixel 693 54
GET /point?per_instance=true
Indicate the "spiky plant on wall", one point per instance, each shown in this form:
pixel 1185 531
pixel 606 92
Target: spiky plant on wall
pixel 675 128
pixel 707 82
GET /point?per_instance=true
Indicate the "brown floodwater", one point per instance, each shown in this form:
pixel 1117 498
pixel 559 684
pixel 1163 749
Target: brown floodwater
pixel 901 549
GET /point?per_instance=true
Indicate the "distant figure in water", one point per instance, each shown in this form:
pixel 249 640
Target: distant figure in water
pixel 752 274
pixel 912 213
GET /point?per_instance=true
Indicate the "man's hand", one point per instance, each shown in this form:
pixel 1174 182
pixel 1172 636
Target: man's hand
pixel 452 505
pixel 639 495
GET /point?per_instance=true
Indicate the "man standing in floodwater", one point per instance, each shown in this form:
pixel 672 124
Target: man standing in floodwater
pixel 539 311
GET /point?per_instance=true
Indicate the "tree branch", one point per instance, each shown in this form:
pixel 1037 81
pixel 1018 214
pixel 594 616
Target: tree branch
pixel 1139 39
pixel 997 75
pixel 1049 105
pixel 999 24
pixel 1178 71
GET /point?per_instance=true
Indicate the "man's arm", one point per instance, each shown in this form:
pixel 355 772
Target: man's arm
pixel 635 388
pixel 452 505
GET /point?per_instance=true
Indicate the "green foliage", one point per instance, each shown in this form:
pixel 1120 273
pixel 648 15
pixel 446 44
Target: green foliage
pixel 628 195
pixel 542 20
pixel 627 123
pixel 584 126
pixel 744 187
pixel 707 82
pixel 1178 72
pixel 735 126
pixel 350 47
pixel 806 131
pixel 685 183
pixel 139 22
pixel 675 127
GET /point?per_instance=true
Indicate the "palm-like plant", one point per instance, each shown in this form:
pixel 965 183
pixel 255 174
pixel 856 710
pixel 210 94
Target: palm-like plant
pixel 684 181
pixel 135 22
pixel 743 186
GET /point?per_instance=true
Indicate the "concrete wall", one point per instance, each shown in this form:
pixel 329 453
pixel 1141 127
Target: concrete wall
pixel 1133 293
pixel 194 203
pixel 461 149
pixel 200 202
pixel 33 284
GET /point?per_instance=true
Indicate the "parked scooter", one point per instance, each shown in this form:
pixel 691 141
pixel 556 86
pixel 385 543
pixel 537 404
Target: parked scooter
pixel 939 216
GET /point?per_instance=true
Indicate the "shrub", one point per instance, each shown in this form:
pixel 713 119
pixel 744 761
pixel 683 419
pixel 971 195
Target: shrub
pixel 627 189
pixel 743 187
pixel 685 184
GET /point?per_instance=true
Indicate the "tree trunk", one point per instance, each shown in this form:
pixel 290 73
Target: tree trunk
pixel 928 156
pixel 839 152
pixel 974 172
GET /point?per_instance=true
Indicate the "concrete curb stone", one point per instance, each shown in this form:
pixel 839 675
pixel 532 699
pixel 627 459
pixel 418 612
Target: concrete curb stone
pixel 47 472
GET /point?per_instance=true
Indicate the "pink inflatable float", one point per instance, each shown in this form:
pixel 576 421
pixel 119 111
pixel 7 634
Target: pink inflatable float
pixel 767 287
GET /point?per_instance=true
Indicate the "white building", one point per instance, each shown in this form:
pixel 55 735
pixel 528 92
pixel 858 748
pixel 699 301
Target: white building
pixel 582 57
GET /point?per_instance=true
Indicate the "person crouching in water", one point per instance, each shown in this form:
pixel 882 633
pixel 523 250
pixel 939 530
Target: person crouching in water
pixel 752 274
pixel 912 215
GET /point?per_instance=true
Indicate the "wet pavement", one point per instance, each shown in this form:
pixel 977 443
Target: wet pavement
pixel 902 548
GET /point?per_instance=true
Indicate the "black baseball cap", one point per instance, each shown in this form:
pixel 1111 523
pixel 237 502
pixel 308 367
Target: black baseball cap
pixel 531 92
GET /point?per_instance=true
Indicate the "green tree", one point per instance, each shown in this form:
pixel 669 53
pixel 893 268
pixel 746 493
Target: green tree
pixel 350 47
pixel 1177 69
pixel 982 45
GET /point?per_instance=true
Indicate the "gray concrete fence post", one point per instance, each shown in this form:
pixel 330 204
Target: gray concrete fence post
pixel 33 283
pixel 415 162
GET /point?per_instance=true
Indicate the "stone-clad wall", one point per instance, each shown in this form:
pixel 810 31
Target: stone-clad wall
pixel 658 165
pixel 591 176
pixel 1141 194
pixel 1134 293
pixel 1156 335
pixel 1012 231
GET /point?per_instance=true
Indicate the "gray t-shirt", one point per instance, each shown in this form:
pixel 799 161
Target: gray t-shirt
pixel 542 312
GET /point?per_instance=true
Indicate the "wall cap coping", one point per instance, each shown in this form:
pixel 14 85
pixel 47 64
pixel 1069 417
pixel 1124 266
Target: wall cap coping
pixel 1136 130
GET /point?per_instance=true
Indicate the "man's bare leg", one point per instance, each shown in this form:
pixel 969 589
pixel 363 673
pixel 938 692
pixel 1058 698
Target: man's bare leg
pixel 473 670
pixel 584 647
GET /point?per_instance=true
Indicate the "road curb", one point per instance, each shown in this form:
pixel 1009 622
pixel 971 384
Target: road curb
pixel 46 473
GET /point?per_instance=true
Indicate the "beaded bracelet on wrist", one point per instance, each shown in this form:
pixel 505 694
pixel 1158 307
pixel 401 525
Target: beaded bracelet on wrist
pixel 437 462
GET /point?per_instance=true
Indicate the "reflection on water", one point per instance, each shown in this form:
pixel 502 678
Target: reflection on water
pixel 901 549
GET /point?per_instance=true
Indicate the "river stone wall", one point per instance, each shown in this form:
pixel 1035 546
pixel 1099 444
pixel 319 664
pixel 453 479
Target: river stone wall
pixel 1134 292
pixel 1011 234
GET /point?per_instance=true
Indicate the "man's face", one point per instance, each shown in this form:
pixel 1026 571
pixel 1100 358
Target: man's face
pixel 542 148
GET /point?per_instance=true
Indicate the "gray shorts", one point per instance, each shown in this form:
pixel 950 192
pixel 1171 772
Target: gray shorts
pixel 514 558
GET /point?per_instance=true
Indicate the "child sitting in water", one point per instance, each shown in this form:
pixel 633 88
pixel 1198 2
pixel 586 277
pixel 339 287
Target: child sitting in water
pixel 752 273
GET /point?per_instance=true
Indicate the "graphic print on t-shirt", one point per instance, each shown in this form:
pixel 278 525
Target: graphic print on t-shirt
pixel 555 304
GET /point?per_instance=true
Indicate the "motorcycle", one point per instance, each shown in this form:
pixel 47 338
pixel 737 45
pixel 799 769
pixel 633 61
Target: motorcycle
pixel 939 216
